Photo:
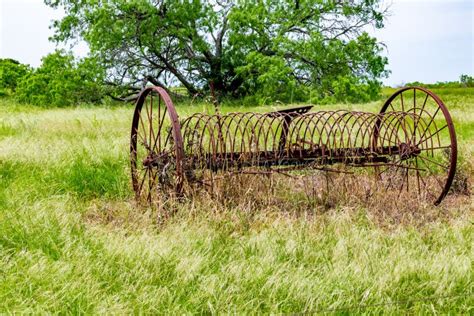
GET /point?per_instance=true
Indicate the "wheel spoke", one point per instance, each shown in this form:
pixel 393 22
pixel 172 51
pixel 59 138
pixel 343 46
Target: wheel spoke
pixel 431 121
pixel 432 174
pixel 143 181
pixel 426 187
pixel 436 163
pixel 143 127
pixel 431 136
pixel 417 176
pixel 401 98
pixel 158 138
pixel 393 109
pixel 152 134
pixel 434 148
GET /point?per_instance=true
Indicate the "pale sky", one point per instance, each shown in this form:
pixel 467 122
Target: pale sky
pixel 427 40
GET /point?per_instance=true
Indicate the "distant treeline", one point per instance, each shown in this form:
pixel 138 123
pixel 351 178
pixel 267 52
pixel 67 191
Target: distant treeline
pixel 465 81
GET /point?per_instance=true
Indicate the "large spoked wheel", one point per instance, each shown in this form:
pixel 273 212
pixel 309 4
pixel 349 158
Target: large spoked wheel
pixel 156 147
pixel 426 155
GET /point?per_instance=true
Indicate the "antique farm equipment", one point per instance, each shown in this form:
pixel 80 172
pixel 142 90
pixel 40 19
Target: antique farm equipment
pixel 410 146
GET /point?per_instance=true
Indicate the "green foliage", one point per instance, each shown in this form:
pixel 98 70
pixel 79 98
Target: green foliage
pixel 61 81
pixel 11 71
pixel 271 50
pixel 465 81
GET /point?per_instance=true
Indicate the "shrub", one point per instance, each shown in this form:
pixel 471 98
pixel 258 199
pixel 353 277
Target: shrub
pixel 11 71
pixel 61 80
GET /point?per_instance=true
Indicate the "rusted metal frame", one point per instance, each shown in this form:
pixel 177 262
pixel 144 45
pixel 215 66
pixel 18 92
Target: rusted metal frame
pixel 358 154
pixel 322 138
pixel 294 161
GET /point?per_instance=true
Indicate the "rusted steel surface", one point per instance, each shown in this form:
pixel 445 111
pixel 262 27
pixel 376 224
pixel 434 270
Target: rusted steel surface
pixel 413 143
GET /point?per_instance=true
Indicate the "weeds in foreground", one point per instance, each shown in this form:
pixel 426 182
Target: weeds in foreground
pixel 310 196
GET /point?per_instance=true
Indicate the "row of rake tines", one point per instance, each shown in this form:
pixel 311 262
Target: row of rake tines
pixel 265 139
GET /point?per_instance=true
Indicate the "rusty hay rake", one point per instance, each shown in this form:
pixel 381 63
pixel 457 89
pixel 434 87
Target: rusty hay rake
pixel 410 146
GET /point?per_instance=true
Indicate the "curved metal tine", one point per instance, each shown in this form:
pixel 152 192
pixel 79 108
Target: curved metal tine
pixel 397 127
pixel 202 139
pixel 328 125
pixel 241 141
pixel 201 119
pixel 423 139
pixel 319 141
pixel 151 184
pixel 390 126
pixel 160 124
pixel 335 129
pixel 307 119
pixel 309 126
pixel 144 136
pixel 407 128
pixel 406 132
pixel 213 142
pixel 295 130
pixel 421 110
pixel 260 128
pixel 255 142
pixel 353 141
pixel 234 129
pixel 350 122
pixel 248 128
pixel 370 125
pixel 150 119
pixel 273 130
pixel 230 135
pixel 393 129
pixel 429 124
pixel 433 134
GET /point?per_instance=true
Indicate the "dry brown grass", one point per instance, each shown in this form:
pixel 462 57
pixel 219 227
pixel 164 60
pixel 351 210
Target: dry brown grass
pixel 246 198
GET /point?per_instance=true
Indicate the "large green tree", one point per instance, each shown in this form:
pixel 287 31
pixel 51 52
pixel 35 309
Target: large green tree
pixel 270 48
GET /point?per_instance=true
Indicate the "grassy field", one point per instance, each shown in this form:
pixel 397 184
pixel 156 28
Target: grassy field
pixel 72 240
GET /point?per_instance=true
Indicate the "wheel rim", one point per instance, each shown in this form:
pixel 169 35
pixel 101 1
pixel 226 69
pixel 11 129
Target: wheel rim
pixel 156 151
pixel 426 162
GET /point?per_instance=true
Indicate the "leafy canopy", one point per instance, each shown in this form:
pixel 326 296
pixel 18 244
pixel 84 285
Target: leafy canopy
pixel 11 71
pixel 61 80
pixel 270 49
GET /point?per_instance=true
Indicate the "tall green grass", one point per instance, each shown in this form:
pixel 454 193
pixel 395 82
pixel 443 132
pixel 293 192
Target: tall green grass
pixel 73 241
